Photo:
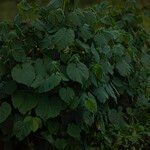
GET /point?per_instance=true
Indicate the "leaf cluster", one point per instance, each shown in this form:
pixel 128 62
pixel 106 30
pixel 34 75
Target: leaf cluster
pixel 73 79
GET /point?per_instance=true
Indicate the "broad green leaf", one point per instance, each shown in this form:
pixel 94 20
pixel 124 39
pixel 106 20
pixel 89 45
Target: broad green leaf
pixel 19 55
pixel 67 95
pixel 74 18
pixel 53 126
pixel 46 43
pixel 101 94
pixel 60 144
pixel 74 131
pixel 55 17
pixel 100 40
pixel 91 105
pixel 34 123
pixel 24 102
pixel 107 67
pixel 49 107
pixel 40 68
pixel 48 137
pixel 5 111
pixel 21 130
pixel 63 38
pixel 123 68
pixel 50 83
pixel 109 89
pixel 95 54
pixel 90 17
pixel 78 72
pixel 28 11
pixel 97 71
pixel 88 118
pixel 116 118
pixel 24 73
pixel 118 50
pixel 85 32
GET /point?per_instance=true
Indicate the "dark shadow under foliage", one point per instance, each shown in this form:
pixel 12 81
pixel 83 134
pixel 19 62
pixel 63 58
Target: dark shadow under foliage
pixel 74 79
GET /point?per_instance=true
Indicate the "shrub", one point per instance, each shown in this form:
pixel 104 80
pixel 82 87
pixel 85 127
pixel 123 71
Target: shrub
pixel 75 78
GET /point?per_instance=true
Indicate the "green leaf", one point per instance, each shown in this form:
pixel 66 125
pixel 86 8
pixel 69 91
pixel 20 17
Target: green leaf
pixel 50 83
pixel 85 32
pixel 78 72
pixel 101 94
pixel 49 107
pixel 21 130
pixel 60 144
pixel 67 95
pixel 34 123
pixel 47 42
pixel 88 118
pixel 95 53
pixel 19 55
pixel 90 103
pixel 97 70
pixel 40 68
pixel 116 118
pixel 24 73
pixel 74 131
pixel 123 68
pixel 63 38
pixel 118 50
pixel 110 91
pixel 48 137
pixel 5 111
pixel 74 18
pixel 53 126
pixel 55 17
pixel 24 102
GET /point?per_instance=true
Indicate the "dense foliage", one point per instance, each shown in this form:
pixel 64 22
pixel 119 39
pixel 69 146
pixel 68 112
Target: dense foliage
pixel 73 79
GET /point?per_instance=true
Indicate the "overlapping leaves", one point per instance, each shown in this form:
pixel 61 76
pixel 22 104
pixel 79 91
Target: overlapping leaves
pixel 73 76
